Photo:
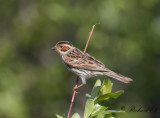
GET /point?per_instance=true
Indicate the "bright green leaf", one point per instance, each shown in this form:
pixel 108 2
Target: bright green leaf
pixel 88 108
pixel 106 87
pixel 96 89
pixel 98 83
pixel 58 116
pixel 101 114
pixel 76 115
pixel 97 109
pixel 109 95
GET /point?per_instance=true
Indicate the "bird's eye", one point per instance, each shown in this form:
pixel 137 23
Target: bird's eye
pixel 61 46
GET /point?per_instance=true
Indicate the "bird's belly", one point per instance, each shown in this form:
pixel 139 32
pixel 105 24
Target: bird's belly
pixel 85 73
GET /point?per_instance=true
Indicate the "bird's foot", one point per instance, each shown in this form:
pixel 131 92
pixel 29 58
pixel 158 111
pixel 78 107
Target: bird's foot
pixel 76 87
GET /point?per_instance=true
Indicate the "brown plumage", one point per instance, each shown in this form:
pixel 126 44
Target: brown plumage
pixel 83 64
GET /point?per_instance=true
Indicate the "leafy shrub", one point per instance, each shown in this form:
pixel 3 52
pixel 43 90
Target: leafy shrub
pixel 97 103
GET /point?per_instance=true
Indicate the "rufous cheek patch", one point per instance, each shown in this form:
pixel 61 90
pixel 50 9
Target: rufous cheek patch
pixel 65 48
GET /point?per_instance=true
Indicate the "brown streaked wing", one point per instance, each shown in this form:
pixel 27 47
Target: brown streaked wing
pixel 79 59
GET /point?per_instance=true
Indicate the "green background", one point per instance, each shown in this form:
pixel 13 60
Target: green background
pixel 33 81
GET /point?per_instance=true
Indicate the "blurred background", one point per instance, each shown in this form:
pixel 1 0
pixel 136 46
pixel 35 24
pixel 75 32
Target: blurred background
pixel 33 81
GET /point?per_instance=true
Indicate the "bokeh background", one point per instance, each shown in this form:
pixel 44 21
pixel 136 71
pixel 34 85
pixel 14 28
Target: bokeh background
pixel 33 81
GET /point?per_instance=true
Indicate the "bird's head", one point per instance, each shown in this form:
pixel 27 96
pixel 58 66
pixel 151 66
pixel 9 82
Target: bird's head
pixel 62 47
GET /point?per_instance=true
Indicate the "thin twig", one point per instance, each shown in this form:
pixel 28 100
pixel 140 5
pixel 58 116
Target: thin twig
pixel 75 90
pixel 73 96
pixel 90 34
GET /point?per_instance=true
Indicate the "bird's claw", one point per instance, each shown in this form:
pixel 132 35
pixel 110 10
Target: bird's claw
pixel 75 89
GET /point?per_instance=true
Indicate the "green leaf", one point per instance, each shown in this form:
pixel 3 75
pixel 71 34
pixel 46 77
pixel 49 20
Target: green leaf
pixel 75 115
pixel 88 96
pixel 114 111
pixel 106 87
pixel 109 95
pixel 104 103
pixel 96 89
pixel 106 114
pixel 58 116
pixel 88 108
pixel 97 109
pixel 101 114
pixel 109 116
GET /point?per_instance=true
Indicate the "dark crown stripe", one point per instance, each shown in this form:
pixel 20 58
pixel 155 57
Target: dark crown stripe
pixel 65 42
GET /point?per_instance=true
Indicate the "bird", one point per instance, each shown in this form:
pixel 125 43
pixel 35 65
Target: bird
pixel 83 64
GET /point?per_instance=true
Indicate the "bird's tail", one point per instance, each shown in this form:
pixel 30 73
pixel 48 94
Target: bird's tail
pixel 118 77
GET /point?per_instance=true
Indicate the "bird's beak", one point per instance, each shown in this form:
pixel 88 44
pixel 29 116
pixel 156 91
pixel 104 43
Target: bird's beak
pixel 53 48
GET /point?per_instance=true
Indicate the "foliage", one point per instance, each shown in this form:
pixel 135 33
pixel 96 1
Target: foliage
pixel 97 103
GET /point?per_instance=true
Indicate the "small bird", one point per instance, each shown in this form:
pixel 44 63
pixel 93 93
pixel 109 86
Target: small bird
pixel 83 64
